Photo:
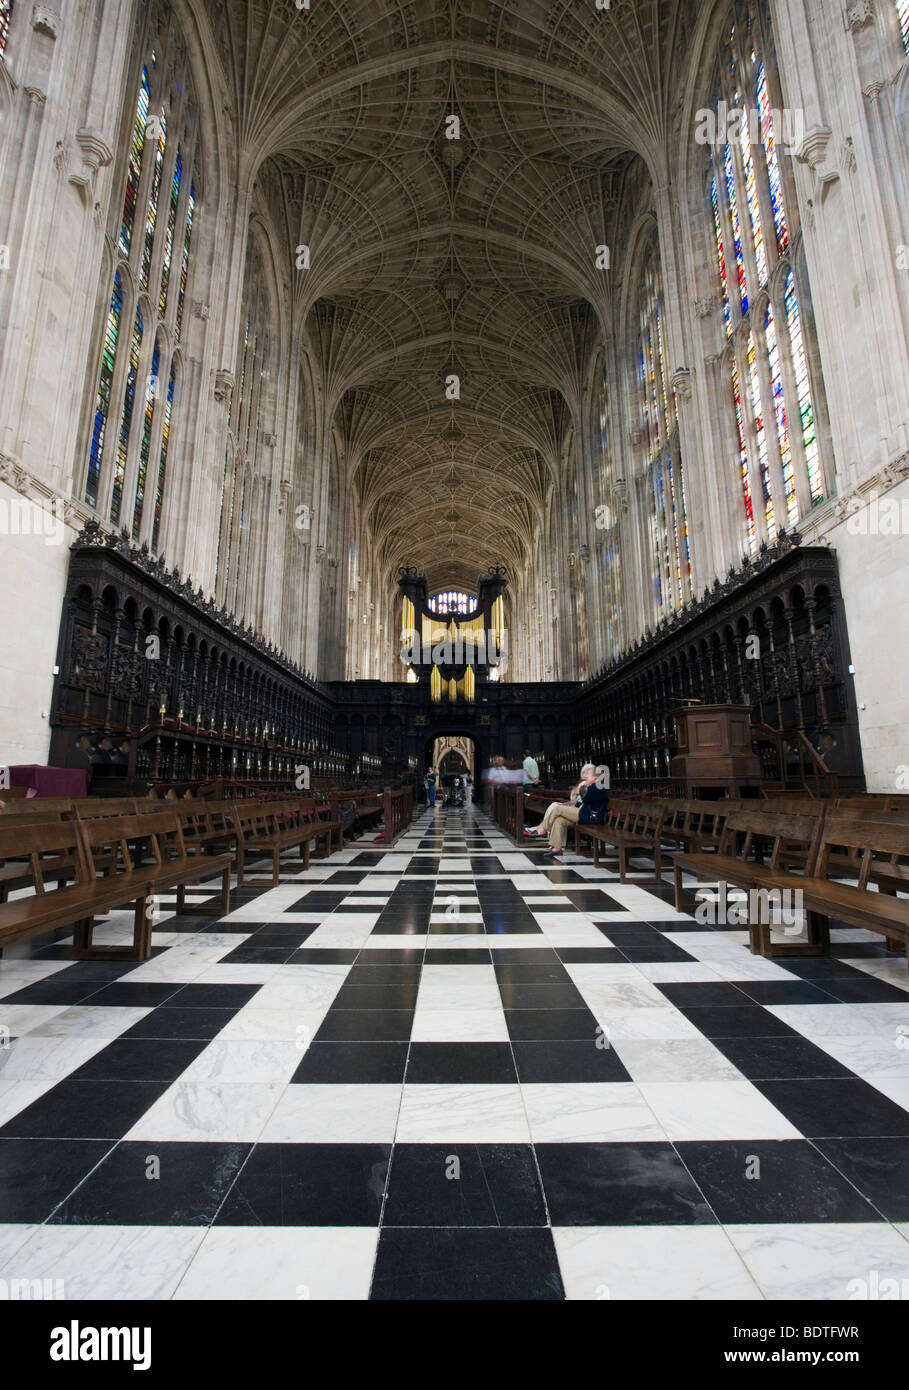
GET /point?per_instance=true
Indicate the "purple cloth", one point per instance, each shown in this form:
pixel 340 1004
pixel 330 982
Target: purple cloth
pixel 50 781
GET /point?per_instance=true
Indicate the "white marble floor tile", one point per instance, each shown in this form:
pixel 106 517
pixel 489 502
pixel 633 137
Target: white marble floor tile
pixel 441 1114
pixel 590 1113
pixel 277 1263
pixel 845 1020
pixel 681 1060
pixel 459 1025
pixel 880 1056
pixel 108 1262
pixel 24 1018
pixel 231 1060
pixel 330 1114
pixel 895 1088
pixel 12 1238
pixel 649 1263
pixel 715 1110
pixel 625 994
pixel 253 1024
pixel 654 1024
pixel 212 1112
pixel 676 972
pixel 15 1096
pixel 823 1261
pixel 308 987
pixel 90 1021
pixel 38 1058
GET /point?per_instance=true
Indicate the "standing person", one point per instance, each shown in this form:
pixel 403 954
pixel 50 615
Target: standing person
pixel 468 783
pixel 430 783
pixel 531 770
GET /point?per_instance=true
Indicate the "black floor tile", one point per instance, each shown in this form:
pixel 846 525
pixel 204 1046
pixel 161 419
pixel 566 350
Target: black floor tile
pixel 365 1025
pixel 466 955
pixel 308 1185
pixel 390 955
pixel 879 1168
pixel 666 954
pixel 865 990
pixel 355 996
pixel 85 1110
pixel 466 1264
pixel 311 955
pixel 367 974
pixel 140 1059
pixel 704 994
pixel 520 995
pixel 54 991
pixel 213 996
pixel 590 955
pixel 258 955
pixel 793 1058
pixel 543 973
pixel 769 992
pixel 353 1063
pixel 619 1185
pixel 140 994
pixel 473 1185
pixel 160 1184
pixel 553 1024
pixel 836 1109
pixel 36 1175
pixel 180 1023
pixel 737 1021
pixel 755 1181
pixel 567 1061
pixel 460 1064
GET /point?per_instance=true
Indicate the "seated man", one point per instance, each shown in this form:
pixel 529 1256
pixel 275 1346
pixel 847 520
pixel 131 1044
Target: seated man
pixel 587 803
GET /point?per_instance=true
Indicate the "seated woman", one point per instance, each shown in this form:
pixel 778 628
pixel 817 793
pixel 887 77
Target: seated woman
pixel 587 804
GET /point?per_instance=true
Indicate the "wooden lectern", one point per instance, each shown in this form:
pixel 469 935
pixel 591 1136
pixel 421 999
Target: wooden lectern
pixel 715 755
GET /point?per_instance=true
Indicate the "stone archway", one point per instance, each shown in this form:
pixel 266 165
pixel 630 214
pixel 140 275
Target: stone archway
pixel 455 743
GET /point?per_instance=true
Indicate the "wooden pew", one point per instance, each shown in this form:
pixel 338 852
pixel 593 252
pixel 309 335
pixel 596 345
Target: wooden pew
pixel 270 828
pixel 631 827
pixel 76 904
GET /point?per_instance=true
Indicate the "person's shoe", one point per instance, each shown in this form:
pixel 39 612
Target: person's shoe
pixel 553 854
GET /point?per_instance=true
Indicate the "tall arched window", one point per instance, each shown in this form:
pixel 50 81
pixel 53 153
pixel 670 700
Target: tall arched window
pixel 664 480
pixel 138 373
pixel 609 555
pixel 6 10
pixel 751 202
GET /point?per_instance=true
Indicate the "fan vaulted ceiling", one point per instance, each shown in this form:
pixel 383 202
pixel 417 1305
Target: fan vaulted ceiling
pixel 433 256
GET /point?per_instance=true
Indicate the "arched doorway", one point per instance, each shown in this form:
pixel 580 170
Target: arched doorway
pixel 454 753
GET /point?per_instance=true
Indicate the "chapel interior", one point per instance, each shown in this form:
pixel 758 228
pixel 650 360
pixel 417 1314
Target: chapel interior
pixel 406 405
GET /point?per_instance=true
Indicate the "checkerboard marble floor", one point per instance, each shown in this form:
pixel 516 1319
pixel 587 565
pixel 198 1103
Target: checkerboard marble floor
pixel 453 1070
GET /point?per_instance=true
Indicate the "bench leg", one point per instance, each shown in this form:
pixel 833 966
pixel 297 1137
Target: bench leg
pixel 225 891
pixel 623 863
pixel 819 931
pixel 241 861
pixel 679 900
pixel 759 930
pixel 658 862
pixel 82 935
pixel 275 867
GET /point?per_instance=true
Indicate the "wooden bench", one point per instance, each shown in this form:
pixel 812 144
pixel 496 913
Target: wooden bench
pixel 270 828
pixel 76 904
pixel 324 827
pixel 734 863
pixel 631 827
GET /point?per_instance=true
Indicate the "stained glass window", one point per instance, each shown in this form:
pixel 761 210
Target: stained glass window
pixel 126 419
pixel 743 457
pixel 902 9
pixel 151 393
pixel 803 386
pixel 452 602
pixel 757 415
pixel 670 560
pixel 768 140
pixel 102 402
pixel 769 342
pixel 721 253
pixel 151 216
pixel 184 266
pixel 732 196
pixel 751 194
pixel 134 166
pixel 6 9
pixel 171 230
pixel 162 463
pixel 157 212
pixel 779 406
